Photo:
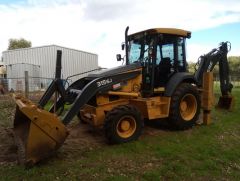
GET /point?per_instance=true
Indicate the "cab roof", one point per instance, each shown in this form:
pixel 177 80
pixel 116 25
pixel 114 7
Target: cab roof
pixel 169 31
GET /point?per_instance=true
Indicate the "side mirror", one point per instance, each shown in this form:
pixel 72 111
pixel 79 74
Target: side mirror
pixel 123 46
pixel 119 57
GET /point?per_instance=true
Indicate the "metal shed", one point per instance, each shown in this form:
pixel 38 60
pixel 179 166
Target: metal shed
pixel 73 61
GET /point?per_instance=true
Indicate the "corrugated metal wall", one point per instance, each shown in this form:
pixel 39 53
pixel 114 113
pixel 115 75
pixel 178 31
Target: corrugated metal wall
pixel 17 70
pixel 16 76
pixel 73 61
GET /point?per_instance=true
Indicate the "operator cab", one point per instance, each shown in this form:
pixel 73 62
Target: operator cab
pixel 161 52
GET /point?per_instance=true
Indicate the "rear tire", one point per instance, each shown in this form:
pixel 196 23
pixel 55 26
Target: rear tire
pixel 185 107
pixel 123 124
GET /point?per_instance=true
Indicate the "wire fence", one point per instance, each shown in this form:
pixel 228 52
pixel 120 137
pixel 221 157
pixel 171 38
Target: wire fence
pixel 19 84
pixel 34 87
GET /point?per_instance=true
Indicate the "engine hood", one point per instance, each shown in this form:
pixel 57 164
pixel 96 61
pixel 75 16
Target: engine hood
pixel 113 71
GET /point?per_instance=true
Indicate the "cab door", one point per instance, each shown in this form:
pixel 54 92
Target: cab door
pixel 149 64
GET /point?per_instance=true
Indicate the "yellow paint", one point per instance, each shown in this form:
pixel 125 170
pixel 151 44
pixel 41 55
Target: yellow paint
pixel 171 31
pixel 102 99
pixel 129 90
pixel 96 115
pixel 188 107
pixel 130 94
pixel 207 97
pixel 126 126
pixel 130 85
pixel 159 89
pixel 206 117
pixel 152 108
pixel 207 94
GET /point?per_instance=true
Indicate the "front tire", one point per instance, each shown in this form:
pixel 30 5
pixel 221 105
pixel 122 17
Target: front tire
pixel 185 107
pixel 123 124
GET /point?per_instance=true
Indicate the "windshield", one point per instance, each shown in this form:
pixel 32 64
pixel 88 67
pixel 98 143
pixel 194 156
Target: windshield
pixel 138 51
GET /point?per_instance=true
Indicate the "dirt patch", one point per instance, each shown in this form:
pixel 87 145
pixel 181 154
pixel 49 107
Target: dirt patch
pixel 82 138
pixel 7 146
pixel 85 136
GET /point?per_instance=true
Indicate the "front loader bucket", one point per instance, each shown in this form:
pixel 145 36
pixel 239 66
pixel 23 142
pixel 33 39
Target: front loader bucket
pixel 38 133
pixel 226 102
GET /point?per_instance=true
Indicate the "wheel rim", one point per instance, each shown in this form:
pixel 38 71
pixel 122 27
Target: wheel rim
pixel 188 107
pixel 126 126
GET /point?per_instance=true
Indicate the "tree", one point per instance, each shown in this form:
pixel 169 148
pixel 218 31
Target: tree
pixel 191 67
pixel 234 66
pixel 18 43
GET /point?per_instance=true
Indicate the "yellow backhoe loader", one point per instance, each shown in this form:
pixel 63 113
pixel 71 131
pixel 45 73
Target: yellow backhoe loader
pixel 154 83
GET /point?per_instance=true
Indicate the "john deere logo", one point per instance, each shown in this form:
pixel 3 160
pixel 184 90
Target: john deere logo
pixel 104 82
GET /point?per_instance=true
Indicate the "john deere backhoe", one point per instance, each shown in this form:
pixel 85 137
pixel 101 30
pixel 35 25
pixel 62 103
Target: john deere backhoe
pixel 154 83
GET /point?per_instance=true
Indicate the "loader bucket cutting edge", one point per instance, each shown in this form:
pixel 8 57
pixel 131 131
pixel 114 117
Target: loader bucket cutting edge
pixel 37 133
pixel 226 102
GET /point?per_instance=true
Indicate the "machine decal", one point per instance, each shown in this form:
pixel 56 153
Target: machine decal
pixel 104 82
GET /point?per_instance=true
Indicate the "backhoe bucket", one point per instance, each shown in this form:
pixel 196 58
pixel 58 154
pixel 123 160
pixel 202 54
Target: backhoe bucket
pixel 38 133
pixel 226 102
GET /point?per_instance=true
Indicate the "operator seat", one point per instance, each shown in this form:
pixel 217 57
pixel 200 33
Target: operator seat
pixel 163 71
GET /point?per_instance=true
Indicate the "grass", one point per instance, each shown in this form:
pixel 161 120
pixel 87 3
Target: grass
pixel 202 153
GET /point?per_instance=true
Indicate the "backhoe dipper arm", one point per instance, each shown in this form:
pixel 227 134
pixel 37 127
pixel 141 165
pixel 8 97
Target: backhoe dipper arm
pixel 207 62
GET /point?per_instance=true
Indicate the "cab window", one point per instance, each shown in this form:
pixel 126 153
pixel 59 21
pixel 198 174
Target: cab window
pixel 168 51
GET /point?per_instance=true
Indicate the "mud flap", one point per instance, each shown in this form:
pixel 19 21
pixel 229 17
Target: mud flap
pixel 226 102
pixel 38 133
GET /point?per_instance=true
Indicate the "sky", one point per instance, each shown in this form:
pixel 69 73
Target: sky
pixel 98 26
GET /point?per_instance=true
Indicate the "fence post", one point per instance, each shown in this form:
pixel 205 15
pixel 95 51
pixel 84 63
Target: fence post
pixel 26 84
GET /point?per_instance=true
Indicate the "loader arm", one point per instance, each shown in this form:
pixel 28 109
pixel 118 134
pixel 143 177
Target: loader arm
pixel 56 85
